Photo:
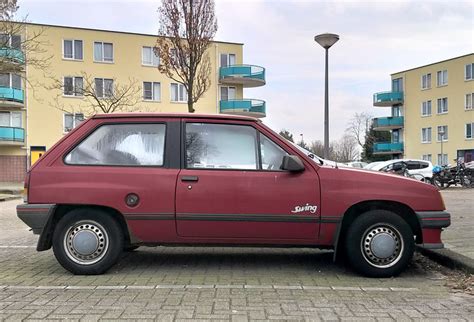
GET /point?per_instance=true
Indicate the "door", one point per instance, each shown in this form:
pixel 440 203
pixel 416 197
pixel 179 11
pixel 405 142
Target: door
pixel 231 187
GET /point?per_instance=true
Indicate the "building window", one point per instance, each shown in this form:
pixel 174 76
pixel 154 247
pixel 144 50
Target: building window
pixel 469 72
pixel 72 120
pixel 227 60
pixel 227 93
pixel 103 52
pixel 426 157
pixel 10 80
pixel 104 87
pixel 73 86
pixel 469 101
pixel 178 93
pixel 10 41
pixel 426 108
pixel 426 135
pixel 442 77
pixel 469 131
pixel 426 81
pixel 149 58
pixel 151 91
pixel 442 159
pixel 73 49
pixel 443 129
pixel 442 105
pixel 10 119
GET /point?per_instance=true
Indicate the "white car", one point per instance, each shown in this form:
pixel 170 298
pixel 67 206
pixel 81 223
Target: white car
pixel 421 168
pixel 357 164
pixel 372 164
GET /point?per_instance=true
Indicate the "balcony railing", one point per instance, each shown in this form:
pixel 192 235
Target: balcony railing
pixel 388 98
pixel 12 134
pixel 13 54
pixel 388 123
pixel 12 94
pixel 388 148
pixel 250 107
pixel 247 75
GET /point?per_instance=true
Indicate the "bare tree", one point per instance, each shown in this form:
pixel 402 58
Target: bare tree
pixel 346 149
pixel 18 46
pixel 359 126
pixel 186 30
pixel 99 95
pixel 287 135
pixel 317 147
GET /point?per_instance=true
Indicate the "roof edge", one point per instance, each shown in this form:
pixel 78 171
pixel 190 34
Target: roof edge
pixel 438 62
pixel 115 31
pixel 177 115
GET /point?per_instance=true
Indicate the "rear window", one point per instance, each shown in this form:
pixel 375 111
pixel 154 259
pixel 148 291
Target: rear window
pixel 121 144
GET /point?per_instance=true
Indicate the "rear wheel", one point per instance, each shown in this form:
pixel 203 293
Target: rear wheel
pixel 87 241
pixel 379 243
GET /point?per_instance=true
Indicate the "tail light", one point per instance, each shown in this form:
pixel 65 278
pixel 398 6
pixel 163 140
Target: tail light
pixel 25 187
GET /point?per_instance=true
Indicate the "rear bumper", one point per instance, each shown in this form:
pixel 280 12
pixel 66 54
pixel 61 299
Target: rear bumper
pixel 432 224
pixel 36 216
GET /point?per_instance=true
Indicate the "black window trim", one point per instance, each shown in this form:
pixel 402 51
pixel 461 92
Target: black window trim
pixel 170 132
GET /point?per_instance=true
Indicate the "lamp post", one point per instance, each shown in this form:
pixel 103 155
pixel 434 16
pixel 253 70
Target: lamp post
pixel 326 41
pixel 441 133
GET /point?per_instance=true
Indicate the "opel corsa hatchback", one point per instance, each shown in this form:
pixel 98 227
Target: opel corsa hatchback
pixel 124 180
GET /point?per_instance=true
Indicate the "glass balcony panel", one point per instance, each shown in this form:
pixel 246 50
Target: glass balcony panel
pixel 11 134
pixel 249 107
pixel 388 98
pixel 247 75
pixel 388 148
pixel 388 123
pixel 11 94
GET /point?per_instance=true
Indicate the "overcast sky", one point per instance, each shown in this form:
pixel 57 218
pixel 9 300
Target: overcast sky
pixel 377 38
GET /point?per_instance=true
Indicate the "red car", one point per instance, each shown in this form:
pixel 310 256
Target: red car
pixel 124 180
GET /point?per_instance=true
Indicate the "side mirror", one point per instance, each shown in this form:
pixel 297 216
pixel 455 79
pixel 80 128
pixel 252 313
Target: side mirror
pixel 292 163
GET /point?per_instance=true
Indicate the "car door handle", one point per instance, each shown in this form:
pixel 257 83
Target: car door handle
pixel 190 178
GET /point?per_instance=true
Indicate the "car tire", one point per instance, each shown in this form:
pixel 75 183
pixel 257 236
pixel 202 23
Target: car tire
pixel 379 243
pixel 87 241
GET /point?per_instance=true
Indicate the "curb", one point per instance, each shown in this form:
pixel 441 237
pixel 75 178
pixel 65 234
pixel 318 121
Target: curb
pixel 8 198
pixel 449 258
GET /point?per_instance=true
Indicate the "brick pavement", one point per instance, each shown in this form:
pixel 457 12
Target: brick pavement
pixel 181 283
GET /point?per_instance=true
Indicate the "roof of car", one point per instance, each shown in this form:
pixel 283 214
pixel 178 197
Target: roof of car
pixel 177 115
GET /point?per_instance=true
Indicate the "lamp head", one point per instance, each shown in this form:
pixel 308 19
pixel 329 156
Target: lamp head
pixel 326 40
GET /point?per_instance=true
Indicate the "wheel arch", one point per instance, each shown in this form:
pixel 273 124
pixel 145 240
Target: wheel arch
pixel 401 209
pixel 46 237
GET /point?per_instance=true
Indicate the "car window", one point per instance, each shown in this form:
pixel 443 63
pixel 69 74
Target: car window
pixel 121 144
pixel 222 146
pixel 272 154
pixel 424 165
pixel 413 165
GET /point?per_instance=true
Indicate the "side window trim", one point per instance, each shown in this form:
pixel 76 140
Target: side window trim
pixel 166 156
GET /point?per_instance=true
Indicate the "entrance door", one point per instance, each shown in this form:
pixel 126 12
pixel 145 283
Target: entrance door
pixel 232 187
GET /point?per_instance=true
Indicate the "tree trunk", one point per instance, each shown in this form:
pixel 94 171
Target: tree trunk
pixel 190 98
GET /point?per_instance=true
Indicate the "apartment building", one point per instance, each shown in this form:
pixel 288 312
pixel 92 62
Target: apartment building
pixel 431 112
pixel 37 113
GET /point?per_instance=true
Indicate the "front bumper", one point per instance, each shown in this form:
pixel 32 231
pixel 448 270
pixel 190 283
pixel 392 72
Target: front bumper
pixel 432 224
pixel 36 216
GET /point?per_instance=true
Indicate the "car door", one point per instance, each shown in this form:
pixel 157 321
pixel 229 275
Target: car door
pixel 231 186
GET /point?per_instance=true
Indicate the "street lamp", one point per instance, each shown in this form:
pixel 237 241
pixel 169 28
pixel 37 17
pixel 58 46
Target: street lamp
pixel 441 133
pixel 326 41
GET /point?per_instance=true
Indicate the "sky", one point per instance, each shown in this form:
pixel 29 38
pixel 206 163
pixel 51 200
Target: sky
pixel 377 38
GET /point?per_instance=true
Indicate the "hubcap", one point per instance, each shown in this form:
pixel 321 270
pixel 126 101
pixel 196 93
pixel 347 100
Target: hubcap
pixel 86 242
pixel 382 245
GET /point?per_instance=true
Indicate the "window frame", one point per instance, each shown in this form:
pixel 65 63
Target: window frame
pixel 10 113
pixel 445 136
pixel 466 107
pixel 171 132
pixel 74 125
pixel 73 87
pixel 171 96
pixel 103 87
pixel 424 79
pixel 259 133
pixel 73 58
pixel 471 66
pixel 425 103
pixel 103 52
pixel 443 78
pixel 428 130
pixel 427 157
pixel 153 55
pixel 472 131
pixel 438 105
pixel 10 81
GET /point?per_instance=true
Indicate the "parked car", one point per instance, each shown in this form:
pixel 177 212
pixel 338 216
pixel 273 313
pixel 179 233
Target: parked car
pixel 421 169
pixel 357 164
pixel 371 165
pixel 119 181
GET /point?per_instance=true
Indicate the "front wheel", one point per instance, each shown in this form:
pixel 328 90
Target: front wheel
pixel 87 241
pixel 379 243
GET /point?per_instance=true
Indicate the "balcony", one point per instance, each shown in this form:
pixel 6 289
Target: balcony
pixel 388 148
pixel 247 107
pixel 388 98
pixel 11 97
pixel 388 123
pixel 246 75
pixel 12 54
pixel 12 135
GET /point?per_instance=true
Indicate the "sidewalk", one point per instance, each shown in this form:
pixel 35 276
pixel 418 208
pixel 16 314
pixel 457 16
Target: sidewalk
pixel 10 190
pixel 459 237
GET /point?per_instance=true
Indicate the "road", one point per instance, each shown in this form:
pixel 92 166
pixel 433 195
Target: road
pixel 235 284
